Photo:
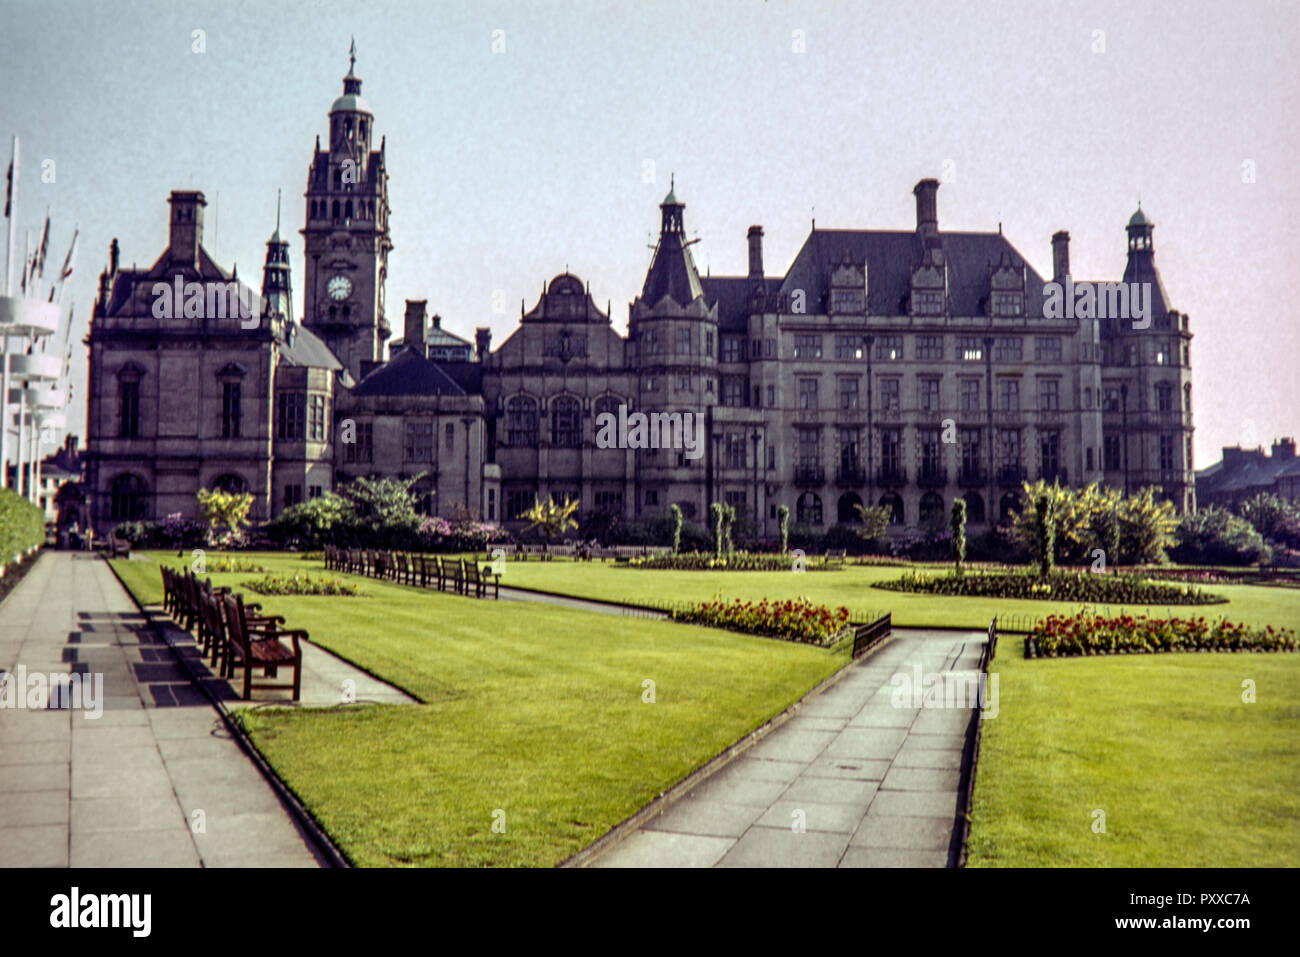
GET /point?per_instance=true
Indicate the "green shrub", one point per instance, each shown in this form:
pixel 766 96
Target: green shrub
pixel 1214 536
pixel 22 526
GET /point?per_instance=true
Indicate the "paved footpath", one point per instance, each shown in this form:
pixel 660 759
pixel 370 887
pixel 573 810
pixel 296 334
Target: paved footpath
pixel 873 785
pixel 121 790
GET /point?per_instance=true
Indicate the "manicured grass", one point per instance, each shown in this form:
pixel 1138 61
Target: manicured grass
pixel 1186 774
pixel 531 710
pixel 1253 604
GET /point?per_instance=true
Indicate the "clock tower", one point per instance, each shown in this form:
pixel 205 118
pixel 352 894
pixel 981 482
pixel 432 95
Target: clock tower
pixel 346 236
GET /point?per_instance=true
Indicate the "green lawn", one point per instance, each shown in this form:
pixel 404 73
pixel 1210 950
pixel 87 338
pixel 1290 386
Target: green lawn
pixel 531 710
pixel 1187 775
pixel 1253 604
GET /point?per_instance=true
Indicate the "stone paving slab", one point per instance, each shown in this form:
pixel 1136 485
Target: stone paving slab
pixel 119 790
pixel 849 781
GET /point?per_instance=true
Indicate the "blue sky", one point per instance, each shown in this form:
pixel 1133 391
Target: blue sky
pixel 506 167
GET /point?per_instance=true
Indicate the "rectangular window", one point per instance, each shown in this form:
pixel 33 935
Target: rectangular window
pixel 1049 451
pixel 683 383
pixel 684 342
pixel 609 503
pixel 929 347
pixel 928 394
pixel 771 348
pixel 733 348
pixel 316 419
pixel 848 449
pixel 771 397
pixel 230 410
pixel 970 395
pixel 736 499
pixel 1008 349
pixel 1164 397
pixel 363 448
pixel 848 347
pixel 849 398
pixel 927 303
pixel 970 349
pixel 1110 460
pixel 1049 394
pixel 1167 454
pixel 733 393
pixel 291 413
pixel 292 495
pixel 807 393
pixel 771 457
pixel 735 450
pixel 1009 395
pixel 1007 304
pixel 708 343
pixel 128 409
pixel 313 491
pixel 891 459
pixel 889 348
pixel 970 452
pixel 809 456
pixel 518 501
pixel 1009 452
pixel 419 441
pixel 1110 400
pixel 1047 348
pixel 846 300
pixel 1088 456
pixel 890 394
pixel 807 347
pixel 931 452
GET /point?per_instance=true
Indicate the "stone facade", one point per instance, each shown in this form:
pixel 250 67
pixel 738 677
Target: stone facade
pixel 898 367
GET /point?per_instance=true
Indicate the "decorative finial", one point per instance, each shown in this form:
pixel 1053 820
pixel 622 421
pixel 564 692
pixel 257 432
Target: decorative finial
pixel 277 212
pixel 352 56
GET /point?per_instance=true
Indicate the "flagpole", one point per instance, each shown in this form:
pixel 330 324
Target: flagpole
pixel 11 201
pixel 11 188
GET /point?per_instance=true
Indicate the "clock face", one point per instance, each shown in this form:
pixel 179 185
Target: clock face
pixel 340 287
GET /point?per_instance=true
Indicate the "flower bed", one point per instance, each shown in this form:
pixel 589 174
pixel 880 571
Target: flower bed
pixel 1060 586
pixel 790 620
pixel 1087 634
pixel 738 562
pixel 302 585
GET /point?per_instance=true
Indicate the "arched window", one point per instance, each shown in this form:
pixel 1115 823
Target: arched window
pixel 1009 504
pixel 808 510
pixel 974 507
pixel 847 509
pixel 894 502
pixel 336 209
pixel 608 403
pixel 566 422
pixel 230 483
pixel 931 507
pixel 126 498
pixel 347 210
pixel 521 422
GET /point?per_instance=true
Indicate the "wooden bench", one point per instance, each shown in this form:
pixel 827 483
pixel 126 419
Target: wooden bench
pixel 259 646
pixel 481 579
pixel 454 574
pixel 836 556
pixel 118 547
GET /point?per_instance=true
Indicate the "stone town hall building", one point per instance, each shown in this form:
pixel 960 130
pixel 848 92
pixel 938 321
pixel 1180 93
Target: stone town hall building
pixel 905 367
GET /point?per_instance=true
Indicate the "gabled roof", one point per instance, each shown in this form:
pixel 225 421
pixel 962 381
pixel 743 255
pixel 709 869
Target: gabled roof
pixel 408 373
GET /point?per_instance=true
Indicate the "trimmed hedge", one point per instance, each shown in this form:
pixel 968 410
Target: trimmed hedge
pixel 303 585
pixel 1059 586
pixel 22 526
pixel 1067 636
pixel 736 562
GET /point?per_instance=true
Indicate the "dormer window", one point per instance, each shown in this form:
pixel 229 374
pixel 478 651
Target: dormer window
pixel 1008 304
pixel 846 301
pixel 927 303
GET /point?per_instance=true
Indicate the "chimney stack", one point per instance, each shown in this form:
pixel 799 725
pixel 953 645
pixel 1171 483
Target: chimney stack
pixel 927 208
pixel 414 326
pixel 1060 255
pixel 755 252
pixel 186 235
pixel 482 342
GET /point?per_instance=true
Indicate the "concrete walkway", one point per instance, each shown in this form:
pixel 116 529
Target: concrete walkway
pixel 156 780
pixel 849 781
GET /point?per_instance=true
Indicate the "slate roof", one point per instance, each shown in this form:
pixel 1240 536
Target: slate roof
pixel 731 295
pixel 408 373
pixel 890 256
pixel 1256 471
pixel 305 348
pixel 672 273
